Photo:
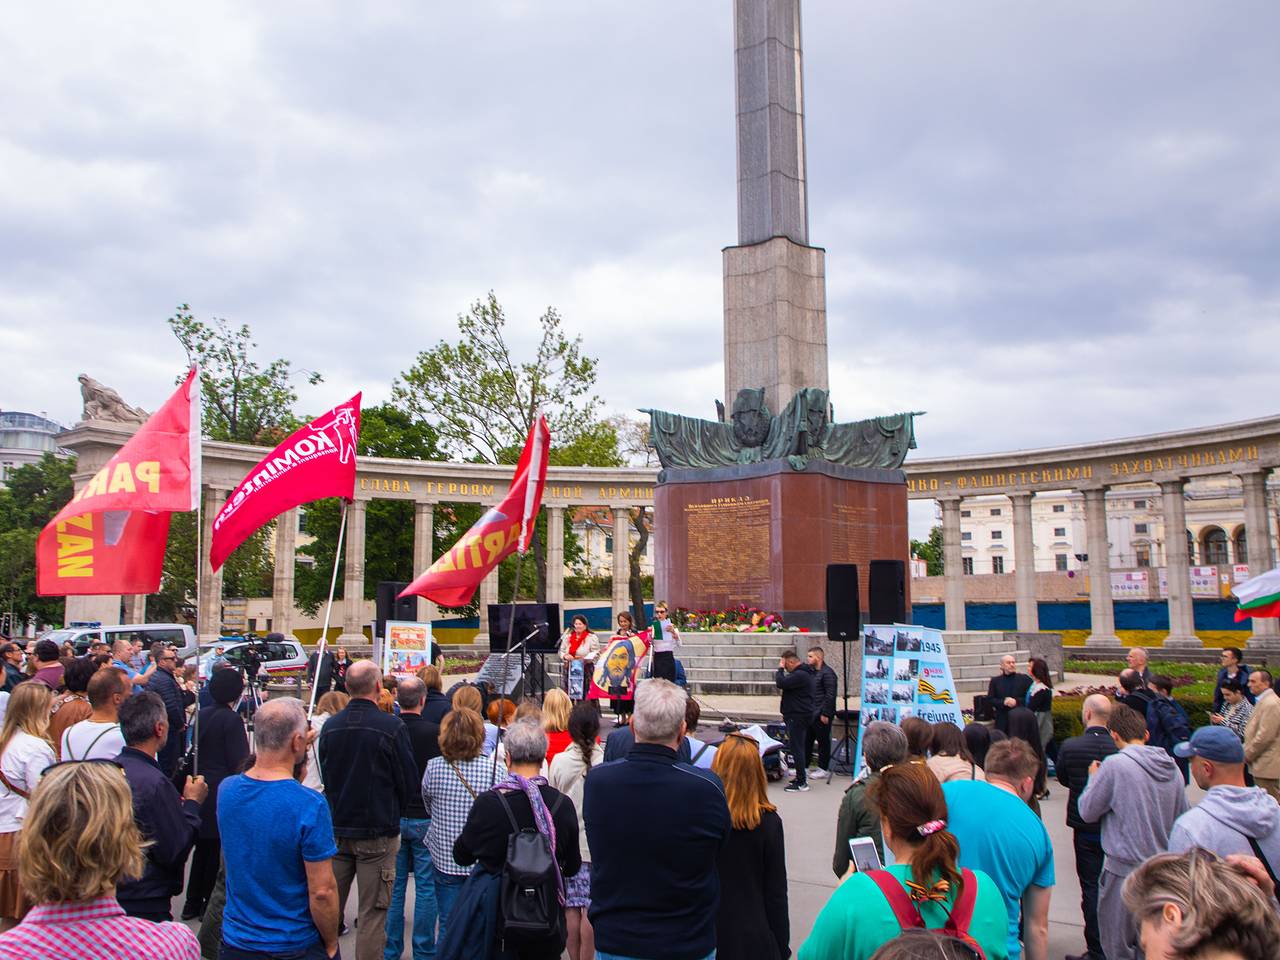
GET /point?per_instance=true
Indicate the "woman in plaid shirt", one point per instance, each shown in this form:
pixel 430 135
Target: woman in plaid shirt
pixel 1236 709
pixel 449 787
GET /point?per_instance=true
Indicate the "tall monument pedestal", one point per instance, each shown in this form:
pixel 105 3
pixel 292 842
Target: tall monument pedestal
pixel 762 534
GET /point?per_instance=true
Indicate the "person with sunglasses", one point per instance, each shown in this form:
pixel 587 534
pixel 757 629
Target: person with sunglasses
pixel 164 683
pixel 79 841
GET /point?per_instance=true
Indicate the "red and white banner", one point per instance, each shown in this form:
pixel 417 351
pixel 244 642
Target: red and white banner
pixel 452 580
pixel 111 537
pixel 315 462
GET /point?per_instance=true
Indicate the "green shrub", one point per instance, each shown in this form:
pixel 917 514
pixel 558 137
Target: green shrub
pixel 1066 712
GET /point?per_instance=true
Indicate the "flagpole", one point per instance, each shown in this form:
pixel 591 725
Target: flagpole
pixel 195 755
pixel 328 610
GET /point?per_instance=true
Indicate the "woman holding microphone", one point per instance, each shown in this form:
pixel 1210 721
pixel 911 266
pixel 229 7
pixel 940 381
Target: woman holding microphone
pixel 578 644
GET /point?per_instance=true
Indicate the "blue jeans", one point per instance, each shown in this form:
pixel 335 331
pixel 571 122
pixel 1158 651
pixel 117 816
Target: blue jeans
pixel 601 955
pixel 447 889
pixel 314 952
pixel 416 858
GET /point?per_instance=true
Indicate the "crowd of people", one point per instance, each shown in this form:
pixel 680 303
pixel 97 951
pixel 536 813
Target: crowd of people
pixel 525 836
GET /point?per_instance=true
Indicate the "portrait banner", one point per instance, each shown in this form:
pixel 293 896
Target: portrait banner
pixel 905 673
pixel 614 677
pixel 407 649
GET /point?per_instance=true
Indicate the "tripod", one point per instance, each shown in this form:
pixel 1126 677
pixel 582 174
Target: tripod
pixel 846 746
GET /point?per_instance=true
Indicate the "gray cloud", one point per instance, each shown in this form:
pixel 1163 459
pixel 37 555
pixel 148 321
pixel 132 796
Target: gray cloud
pixel 1045 223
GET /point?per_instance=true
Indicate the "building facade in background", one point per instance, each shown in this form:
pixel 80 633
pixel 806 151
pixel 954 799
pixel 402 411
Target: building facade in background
pixel 24 439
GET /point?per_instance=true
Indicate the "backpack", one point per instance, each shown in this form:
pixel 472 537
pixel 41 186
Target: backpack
pixel 529 895
pixel 908 914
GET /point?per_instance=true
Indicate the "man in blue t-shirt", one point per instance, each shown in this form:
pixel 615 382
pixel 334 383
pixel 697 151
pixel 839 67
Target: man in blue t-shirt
pixel 1002 836
pixel 277 843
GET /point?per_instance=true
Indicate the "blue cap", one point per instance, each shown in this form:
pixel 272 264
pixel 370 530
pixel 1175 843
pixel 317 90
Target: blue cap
pixel 1213 743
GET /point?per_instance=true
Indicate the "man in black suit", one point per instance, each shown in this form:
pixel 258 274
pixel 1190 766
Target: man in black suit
pixel 1007 690
pixel 320 671
pixel 1074 757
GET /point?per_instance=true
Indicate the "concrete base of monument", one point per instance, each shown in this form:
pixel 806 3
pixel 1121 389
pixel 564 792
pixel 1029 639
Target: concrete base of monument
pixel 762 534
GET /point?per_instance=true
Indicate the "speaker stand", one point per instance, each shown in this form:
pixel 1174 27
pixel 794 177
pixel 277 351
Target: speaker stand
pixel 845 747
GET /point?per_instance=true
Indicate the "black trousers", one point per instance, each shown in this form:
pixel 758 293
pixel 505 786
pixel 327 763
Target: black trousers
pixel 204 871
pixel 664 665
pixel 798 740
pixel 1089 868
pixel 821 732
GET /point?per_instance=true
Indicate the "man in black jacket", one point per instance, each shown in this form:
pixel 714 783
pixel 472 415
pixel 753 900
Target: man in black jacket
pixel 826 686
pixel 798 708
pixel 414 856
pixel 164 684
pixel 1074 757
pixel 655 828
pixel 13 674
pixel 1133 692
pixel 320 671
pixel 170 822
pixel 1007 690
pixel 367 765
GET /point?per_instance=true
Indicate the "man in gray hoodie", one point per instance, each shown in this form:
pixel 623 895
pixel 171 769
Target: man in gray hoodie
pixel 1137 794
pixel 1232 818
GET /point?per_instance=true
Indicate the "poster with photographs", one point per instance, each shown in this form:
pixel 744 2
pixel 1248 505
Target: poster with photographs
pixel 408 647
pixel 905 673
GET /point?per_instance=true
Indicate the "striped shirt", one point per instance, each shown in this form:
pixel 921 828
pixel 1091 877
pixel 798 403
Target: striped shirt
pixel 95 928
pixel 448 801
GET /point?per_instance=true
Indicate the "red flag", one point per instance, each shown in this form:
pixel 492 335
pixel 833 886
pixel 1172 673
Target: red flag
pixel 110 538
pixel 317 461
pixel 452 580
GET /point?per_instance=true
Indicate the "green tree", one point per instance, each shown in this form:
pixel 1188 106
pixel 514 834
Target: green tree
pixel 482 399
pixel 244 400
pixel 34 495
pixel 930 551
pixel 247 572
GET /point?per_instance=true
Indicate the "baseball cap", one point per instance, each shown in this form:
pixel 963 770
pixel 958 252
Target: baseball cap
pixel 1213 743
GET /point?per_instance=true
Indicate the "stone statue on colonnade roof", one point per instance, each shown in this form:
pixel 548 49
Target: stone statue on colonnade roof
pixel 804 431
pixel 103 403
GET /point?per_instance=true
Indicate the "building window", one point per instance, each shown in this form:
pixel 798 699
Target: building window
pixel 1059 508
pixel 996 511
pixel 1139 528
pixel 1060 562
pixel 997 534
pixel 1059 531
pixel 608 543
pixel 302 521
pixel 1139 504
pixel 253 624
pixel 997 564
pixel 966 513
pixel 1142 555
pixel 966 565
pixel 966 535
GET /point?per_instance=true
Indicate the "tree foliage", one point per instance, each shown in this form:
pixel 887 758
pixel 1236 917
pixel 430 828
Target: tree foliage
pixel 930 551
pixel 248 572
pixel 244 400
pixel 34 495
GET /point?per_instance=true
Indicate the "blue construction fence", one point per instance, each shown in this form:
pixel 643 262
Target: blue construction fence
pixel 1074 615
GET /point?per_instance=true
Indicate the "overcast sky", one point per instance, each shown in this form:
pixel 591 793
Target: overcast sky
pixel 1044 223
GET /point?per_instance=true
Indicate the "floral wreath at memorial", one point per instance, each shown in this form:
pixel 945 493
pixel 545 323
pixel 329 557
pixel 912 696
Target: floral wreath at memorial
pixel 740 619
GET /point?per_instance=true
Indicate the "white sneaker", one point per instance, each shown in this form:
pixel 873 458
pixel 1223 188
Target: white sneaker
pixel 819 774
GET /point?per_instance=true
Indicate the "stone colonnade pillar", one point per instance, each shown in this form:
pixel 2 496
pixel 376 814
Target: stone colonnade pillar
pixel 282 579
pixel 135 608
pixel 555 555
pixel 1266 631
pixel 487 594
pixel 209 614
pixel 1024 556
pixel 952 564
pixel 423 531
pixel 622 562
pixel 353 576
pixel 1102 616
pixel 1182 626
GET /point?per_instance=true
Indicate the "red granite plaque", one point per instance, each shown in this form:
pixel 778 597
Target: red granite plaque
pixel 763 534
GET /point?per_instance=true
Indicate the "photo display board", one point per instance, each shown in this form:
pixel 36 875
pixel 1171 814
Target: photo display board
pixel 905 673
pixel 408 646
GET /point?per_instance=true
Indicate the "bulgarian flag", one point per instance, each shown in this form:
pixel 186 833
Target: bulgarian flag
pixel 1259 596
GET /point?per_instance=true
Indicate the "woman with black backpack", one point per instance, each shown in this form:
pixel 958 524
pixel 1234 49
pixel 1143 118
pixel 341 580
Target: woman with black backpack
pixel 527 832
pixel 924 888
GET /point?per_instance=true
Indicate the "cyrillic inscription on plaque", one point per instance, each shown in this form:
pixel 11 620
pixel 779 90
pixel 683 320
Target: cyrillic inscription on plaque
pixel 851 533
pixel 728 546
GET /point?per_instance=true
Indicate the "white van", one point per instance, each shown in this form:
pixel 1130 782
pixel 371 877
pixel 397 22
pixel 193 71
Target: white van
pixel 275 657
pixel 179 635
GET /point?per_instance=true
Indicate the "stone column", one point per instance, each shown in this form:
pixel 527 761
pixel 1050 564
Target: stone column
pixel 555 554
pixel 135 608
pixel 622 562
pixel 353 577
pixel 424 518
pixel 209 613
pixel 1182 625
pixel 1024 558
pixel 952 563
pixel 282 580
pixel 1102 614
pixel 1266 630
pixel 488 594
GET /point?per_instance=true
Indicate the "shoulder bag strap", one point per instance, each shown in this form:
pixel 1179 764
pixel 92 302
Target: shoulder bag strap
pixel 1257 852
pixel 904 910
pixel 12 789
pixel 515 827
pixel 458 773
pixel 701 751
pixel 92 743
pixel 962 910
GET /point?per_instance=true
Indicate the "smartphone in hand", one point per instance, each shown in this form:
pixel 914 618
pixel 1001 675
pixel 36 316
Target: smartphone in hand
pixel 865 854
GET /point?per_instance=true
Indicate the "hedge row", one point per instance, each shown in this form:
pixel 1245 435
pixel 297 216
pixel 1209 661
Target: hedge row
pixel 1066 713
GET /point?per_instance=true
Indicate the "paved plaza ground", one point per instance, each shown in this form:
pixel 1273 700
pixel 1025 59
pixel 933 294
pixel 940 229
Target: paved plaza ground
pixel 810 821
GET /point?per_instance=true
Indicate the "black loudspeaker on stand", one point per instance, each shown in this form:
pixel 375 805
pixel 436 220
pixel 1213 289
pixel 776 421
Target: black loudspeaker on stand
pixel 887 592
pixel 388 607
pixel 843 626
